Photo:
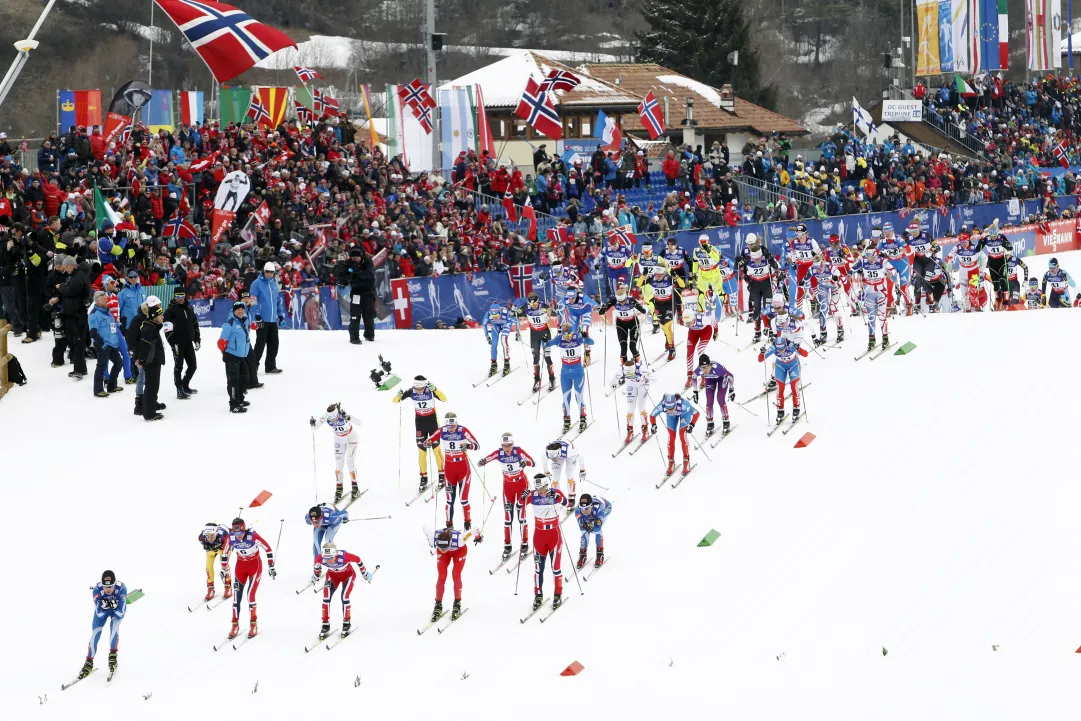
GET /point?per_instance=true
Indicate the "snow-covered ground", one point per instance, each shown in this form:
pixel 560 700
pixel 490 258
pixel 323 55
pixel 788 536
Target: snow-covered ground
pixel 934 517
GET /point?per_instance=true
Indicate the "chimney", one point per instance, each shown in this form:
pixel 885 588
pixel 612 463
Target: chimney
pixel 689 124
pixel 667 121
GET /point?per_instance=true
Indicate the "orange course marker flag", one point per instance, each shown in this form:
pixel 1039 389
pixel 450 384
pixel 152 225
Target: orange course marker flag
pixel 262 498
pixel 573 670
pixel 804 440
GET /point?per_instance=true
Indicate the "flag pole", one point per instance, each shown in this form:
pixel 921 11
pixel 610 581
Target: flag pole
pixel 150 72
pixel 429 24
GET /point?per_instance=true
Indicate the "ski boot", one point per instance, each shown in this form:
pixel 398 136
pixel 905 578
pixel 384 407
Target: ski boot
pixel 536 382
pixel 566 423
pixel 780 415
pixel 726 427
pixel 346 625
pixel 871 343
pixel 630 435
pixel 253 629
pixel 492 369
pixel 671 351
pixel 210 592
pixel 228 587
pixel 795 414
pixel 337 493
pixel 442 483
pixel 600 558
pixel 772 385
pixel 557 601
pixel 757 337
pixel 671 467
pixel 581 559
pixel 840 334
pixel 645 432
pixel 88 666
pixel 506 367
pixel 656 328
pixel 456 610
pixel 181 394
pixel 582 424
pixel 317 575
pixel 820 339
pixel 423 483
pixel 235 630
pixel 551 382
pixel 885 340
pixel 688 383
pixel 537 601
pixel 710 426
pixel 354 492
pixel 324 631
pixel 686 465
pixel 507 551
pixel 524 551
pixel 570 503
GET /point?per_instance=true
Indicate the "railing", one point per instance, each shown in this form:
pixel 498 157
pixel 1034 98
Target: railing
pixel 5 358
pixel 26 158
pixel 760 193
pixel 941 124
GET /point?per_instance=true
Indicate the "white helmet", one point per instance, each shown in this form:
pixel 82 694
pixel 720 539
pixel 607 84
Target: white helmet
pixel 540 480
pixel 330 550
pixel 688 316
pixel 751 238
pixel 507 439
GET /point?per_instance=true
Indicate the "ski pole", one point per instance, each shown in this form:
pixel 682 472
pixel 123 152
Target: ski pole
pixel 806 415
pixel 278 543
pixel 699 446
pixel 370 518
pixel 399 445
pixel 518 571
pixel 603 488
pixel 315 469
pixel 574 567
pixel 483 485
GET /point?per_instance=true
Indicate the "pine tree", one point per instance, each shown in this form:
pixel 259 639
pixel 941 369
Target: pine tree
pixel 695 39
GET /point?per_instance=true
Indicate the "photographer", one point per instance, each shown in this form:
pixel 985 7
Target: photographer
pixel 70 293
pixel 31 268
pixel 358 272
pixel 10 262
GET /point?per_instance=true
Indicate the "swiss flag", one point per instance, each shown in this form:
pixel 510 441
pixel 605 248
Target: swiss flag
pixel 403 311
pixel 262 215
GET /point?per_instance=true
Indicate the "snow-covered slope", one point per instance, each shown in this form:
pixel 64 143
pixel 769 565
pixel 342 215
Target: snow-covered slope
pixel 934 516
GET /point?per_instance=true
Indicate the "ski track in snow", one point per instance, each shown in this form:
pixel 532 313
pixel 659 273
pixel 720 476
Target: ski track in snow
pixel 934 515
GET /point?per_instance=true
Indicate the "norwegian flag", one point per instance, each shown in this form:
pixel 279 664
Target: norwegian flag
pixel 537 110
pixel 1060 155
pixel 177 227
pixel 304 113
pixel 528 213
pixel 306 75
pixel 319 246
pixel 558 234
pixel 625 237
pixel 649 110
pixel 330 105
pixel 124 137
pixel 424 117
pixel 559 80
pixel 521 279
pixel 262 215
pixel 257 111
pixel 508 205
pixel 416 95
pixel 227 39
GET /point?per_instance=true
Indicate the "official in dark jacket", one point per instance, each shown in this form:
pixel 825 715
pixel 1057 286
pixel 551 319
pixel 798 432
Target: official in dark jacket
pixel 182 332
pixel 150 357
pixel 69 289
pixel 131 335
pixel 31 269
pixel 235 345
pixel 359 274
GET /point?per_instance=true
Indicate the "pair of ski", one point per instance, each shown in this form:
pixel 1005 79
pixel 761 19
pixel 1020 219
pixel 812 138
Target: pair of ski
pixel 441 629
pixel 351 500
pixel 763 394
pixel 575 430
pixel 881 350
pixel 508 559
pixel 723 435
pixel 66 686
pixel 682 475
pixel 238 641
pixel 589 574
pixel 536 396
pixel 492 378
pixel 429 489
pixel 540 608
pixel 334 640
pixel 787 428
pixel 210 605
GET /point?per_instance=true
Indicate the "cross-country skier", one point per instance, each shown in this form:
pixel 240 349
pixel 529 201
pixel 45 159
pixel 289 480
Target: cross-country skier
pixel 578 311
pixel 591 513
pixel 700 328
pixel 346 440
pixel 340 575
pixel 785 370
pixel 659 291
pixel 757 265
pixel 679 417
pixel 1060 282
pixel 450 547
pixel 249 570
pixel 626 321
pixel 110 605
pixel 799 254
pixel 636 380
pixel 498 325
pixel 572 376
pixel 514 461
pixel 719 383
pixel 877 274
pixel 547 538
pixel 215 541
pixel 560 455
pixel 325 522
pixel 458 439
pixel 424 395
pixel 616 257
pixel 537 315
pixel 826 283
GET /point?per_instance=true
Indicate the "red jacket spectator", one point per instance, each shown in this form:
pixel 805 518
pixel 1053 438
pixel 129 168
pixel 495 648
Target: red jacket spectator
pixel 406 264
pixel 97 144
pixel 670 166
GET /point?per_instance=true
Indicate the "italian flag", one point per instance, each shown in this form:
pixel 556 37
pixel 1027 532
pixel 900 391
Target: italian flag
pixel 1003 36
pixel 103 211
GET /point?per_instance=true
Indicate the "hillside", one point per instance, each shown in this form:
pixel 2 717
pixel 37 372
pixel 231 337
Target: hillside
pixel 917 560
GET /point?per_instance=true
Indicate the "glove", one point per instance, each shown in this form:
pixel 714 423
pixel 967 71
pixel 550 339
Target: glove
pixel 523 463
pixel 367 575
pixel 478 539
pixel 731 395
pixel 694 396
pixel 273 571
pixel 589 525
pixel 802 352
pixel 653 428
pixel 281 318
pixel 551 493
pixel 487 339
pixel 482 461
pixel 254 325
pixel 311 421
pixel 222 344
pixel 761 357
pixel 690 428
pixel 197 344
pixel 222 575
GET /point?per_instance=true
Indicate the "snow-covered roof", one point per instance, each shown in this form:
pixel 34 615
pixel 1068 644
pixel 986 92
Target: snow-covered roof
pixel 337 51
pixel 504 80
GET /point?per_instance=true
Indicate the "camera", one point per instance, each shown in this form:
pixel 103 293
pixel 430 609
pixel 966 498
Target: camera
pixel 377 374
